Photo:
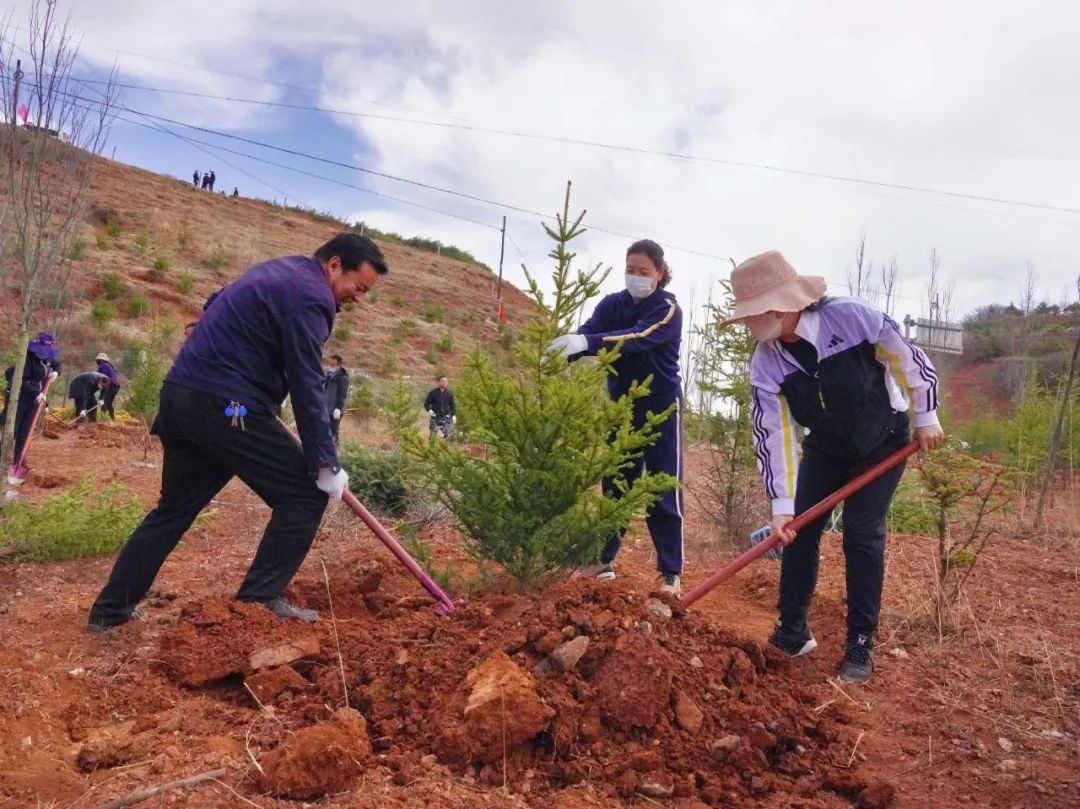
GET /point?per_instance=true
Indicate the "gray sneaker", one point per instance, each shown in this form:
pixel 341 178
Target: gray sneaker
pixel 858 662
pixel 286 610
pixel 605 571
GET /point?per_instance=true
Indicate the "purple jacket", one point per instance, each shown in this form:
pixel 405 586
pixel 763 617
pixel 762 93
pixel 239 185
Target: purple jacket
pixel 648 334
pixel 106 367
pixel 262 340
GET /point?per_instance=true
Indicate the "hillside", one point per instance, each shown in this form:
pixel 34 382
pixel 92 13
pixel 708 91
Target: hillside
pixel 173 245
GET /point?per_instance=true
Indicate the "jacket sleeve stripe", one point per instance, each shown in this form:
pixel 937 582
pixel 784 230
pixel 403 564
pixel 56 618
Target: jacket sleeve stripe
pixel 790 452
pixel 646 332
pixel 761 445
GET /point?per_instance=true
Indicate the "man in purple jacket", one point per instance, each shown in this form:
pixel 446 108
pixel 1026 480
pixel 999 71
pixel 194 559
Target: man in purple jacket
pixel 645 322
pixel 218 418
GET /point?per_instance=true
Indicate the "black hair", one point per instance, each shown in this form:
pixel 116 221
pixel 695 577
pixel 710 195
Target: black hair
pixel 337 358
pixel 816 305
pixel 353 250
pixel 655 253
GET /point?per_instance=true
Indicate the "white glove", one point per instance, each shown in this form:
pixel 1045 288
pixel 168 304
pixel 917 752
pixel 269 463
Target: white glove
pixel 53 375
pixel 454 419
pixel 569 344
pixel 40 398
pixel 82 414
pixel 431 413
pixel 337 413
pixel 333 483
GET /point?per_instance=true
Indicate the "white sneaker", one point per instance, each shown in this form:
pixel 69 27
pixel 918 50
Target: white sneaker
pixel 670 584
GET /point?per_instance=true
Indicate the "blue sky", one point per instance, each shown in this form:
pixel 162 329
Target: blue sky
pixel 915 94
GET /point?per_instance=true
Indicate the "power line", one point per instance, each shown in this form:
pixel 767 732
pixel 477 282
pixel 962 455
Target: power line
pixel 474 127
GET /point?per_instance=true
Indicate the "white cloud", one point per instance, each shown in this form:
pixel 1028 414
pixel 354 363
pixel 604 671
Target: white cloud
pixel 945 96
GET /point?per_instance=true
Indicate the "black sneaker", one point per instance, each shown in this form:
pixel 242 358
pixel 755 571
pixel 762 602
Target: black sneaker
pixel 671 585
pixel 286 610
pixel 96 627
pixel 858 662
pixel 791 642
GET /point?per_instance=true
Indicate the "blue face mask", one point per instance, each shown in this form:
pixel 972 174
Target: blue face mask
pixel 639 287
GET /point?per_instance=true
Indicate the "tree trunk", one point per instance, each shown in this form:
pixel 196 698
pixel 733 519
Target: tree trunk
pixel 943 568
pixel 7 457
pixel 1055 439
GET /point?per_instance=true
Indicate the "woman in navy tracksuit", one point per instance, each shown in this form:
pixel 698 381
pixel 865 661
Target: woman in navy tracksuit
pixel 42 361
pixel 645 322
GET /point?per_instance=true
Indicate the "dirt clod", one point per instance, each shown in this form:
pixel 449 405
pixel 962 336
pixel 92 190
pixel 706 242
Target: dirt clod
pixel 284 653
pixel 657 611
pixel 688 715
pixel 320 759
pixel 102 754
pixel 566 657
pixel 876 796
pixel 268 684
pixel 633 684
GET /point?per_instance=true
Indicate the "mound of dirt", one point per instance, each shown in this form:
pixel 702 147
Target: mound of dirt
pixel 642 706
pixel 318 760
pixel 215 639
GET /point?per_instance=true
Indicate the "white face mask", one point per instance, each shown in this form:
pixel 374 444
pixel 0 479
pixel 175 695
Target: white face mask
pixel 765 327
pixel 639 287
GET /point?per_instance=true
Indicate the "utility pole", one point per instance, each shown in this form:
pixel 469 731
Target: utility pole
pixel 502 251
pixel 15 95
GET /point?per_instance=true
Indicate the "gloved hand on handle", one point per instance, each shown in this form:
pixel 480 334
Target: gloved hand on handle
pixel 53 375
pixel 569 344
pixel 454 419
pixel 333 483
pixel 40 398
pixel 82 414
pixel 431 413
pixel 336 414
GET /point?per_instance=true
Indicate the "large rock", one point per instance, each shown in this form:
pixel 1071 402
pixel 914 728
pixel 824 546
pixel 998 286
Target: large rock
pixel 496 710
pixel 320 759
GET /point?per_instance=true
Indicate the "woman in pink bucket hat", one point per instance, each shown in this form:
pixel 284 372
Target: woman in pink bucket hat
pixel 839 373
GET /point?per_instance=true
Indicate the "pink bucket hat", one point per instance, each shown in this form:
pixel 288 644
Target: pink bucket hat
pixel 767 283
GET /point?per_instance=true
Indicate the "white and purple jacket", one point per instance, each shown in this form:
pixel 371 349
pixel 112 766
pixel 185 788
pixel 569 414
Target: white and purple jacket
pixel 868 376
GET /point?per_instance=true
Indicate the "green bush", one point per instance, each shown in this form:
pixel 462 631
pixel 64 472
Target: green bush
pixel 910 511
pixel 102 313
pixel 397 301
pixel 183 238
pixel 102 241
pixel 433 313
pixel 69 525
pixel 78 249
pixel 430 357
pixel 113 286
pixel 342 333
pixel 389 362
pixel 145 387
pixel 362 400
pixel 161 265
pixel 112 227
pixel 217 258
pixel 446 344
pixel 376 478
pixel 137 305
pixel 373 296
pixel 142 240
pixel 186 282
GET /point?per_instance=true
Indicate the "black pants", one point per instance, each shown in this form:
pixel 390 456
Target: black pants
pixel 335 428
pixel 820 474
pixel 25 408
pixel 108 398
pixel 202 453
pixel 86 402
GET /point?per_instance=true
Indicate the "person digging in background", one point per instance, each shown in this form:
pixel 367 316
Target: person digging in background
pixel 442 412
pixel 108 399
pixel 42 362
pixel 645 322
pixel 218 418
pixel 843 372
pixel 84 389
pixel 336 387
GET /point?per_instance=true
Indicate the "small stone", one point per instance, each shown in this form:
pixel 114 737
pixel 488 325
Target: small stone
pixel 688 715
pixel 429 761
pixel 566 657
pixel 722 746
pixel 79 672
pixel 604 619
pixel 761 738
pixel 644 627
pixel 696 663
pixel 569 631
pixel 402 658
pixel 658 610
pixel 306 646
pixel 899 653
pixel 1007 765
pixel 652 789
pixel 1005 745
pixel 800 750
